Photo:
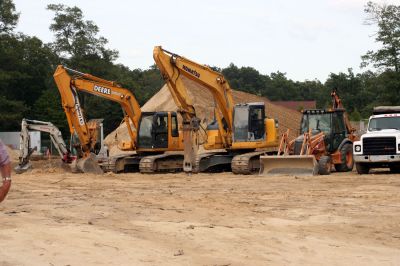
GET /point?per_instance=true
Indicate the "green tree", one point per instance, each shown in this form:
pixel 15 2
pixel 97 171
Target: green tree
pixel 355 115
pixel 25 67
pixel 76 38
pixel 8 16
pixel 387 18
pixel 11 114
pixel 78 45
pixel 48 108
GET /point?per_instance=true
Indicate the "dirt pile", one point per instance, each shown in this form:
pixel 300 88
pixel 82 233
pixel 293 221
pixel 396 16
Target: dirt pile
pixel 204 104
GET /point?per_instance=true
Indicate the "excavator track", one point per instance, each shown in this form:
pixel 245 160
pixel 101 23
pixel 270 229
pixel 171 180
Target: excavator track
pixel 248 163
pixel 213 162
pixel 170 162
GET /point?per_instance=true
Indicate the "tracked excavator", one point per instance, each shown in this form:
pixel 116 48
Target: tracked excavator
pixel 155 139
pixel 241 130
pixel 26 151
pixel 326 140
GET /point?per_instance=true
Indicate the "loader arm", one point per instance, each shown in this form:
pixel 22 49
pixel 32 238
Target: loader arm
pixel 69 85
pixel 173 66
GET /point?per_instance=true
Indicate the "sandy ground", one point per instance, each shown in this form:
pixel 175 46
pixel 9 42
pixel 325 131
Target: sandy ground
pixel 56 218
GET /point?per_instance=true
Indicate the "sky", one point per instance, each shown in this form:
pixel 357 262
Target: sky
pixel 306 39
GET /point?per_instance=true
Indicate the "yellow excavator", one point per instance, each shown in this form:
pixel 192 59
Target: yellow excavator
pixel 242 130
pixel 151 133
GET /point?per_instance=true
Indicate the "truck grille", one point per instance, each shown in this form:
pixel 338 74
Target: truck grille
pixel 379 146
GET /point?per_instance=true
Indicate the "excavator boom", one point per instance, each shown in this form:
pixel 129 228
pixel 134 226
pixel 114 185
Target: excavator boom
pixel 69 85
pixel 172 66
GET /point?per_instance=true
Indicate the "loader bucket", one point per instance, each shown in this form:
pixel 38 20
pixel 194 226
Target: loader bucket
pixel 288 165
pixel 89 165
pixel 22 168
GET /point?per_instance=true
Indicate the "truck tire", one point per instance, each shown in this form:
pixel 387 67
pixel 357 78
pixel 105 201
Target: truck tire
pixel 395 169
pixel 362 168
pixel 346 153
pixel 324 165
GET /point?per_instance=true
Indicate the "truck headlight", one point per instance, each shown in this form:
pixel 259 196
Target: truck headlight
pixel 357 148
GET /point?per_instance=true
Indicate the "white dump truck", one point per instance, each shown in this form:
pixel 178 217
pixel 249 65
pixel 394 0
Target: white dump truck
pixel 379 147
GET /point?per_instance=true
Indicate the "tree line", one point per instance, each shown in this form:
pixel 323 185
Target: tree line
pixel 27 65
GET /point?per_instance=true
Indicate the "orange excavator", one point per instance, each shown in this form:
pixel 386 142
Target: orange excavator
pixel 326 140
pixel 242 130
pixel 152 134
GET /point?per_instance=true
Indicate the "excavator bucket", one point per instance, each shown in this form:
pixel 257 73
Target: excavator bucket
pixel 288 165
pixel 89 165
pixel 22 168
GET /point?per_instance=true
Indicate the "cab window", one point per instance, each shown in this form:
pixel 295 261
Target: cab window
pixel 174 129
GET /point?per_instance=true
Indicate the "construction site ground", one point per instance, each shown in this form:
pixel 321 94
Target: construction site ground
pixel 52 217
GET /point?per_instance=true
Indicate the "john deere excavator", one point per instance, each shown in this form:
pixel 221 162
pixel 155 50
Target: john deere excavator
pixel 26 151
pixel 326 139
pixel 152 134
pixel 239 129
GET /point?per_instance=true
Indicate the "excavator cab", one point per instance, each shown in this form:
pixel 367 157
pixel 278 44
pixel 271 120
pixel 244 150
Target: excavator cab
pixel 249 122
pixel 155 129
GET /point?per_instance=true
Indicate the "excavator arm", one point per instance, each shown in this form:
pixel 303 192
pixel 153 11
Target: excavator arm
pixel 69 85
pixel 173 67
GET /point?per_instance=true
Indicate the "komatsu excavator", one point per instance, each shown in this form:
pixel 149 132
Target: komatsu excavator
pixel 326 139
pixel 152 134
pixel 240 129
pixel 26 151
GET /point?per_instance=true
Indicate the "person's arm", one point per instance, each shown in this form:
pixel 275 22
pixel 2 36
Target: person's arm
pixel 5 169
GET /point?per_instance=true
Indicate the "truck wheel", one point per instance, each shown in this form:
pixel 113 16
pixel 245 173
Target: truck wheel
pixel 362 168
pixel 324 165
pixel 395 169
pixel 346 153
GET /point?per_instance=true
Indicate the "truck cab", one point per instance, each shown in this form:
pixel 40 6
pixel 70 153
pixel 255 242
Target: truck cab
pixel 379 147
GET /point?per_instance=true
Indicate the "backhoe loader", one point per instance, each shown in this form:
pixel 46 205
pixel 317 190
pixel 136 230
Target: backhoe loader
pixel 152 134
pixel 239 129
pixel 24 145
pixel 326 139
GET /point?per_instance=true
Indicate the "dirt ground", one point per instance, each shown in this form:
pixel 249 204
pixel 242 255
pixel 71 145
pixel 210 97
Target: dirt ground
pixel 56 218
